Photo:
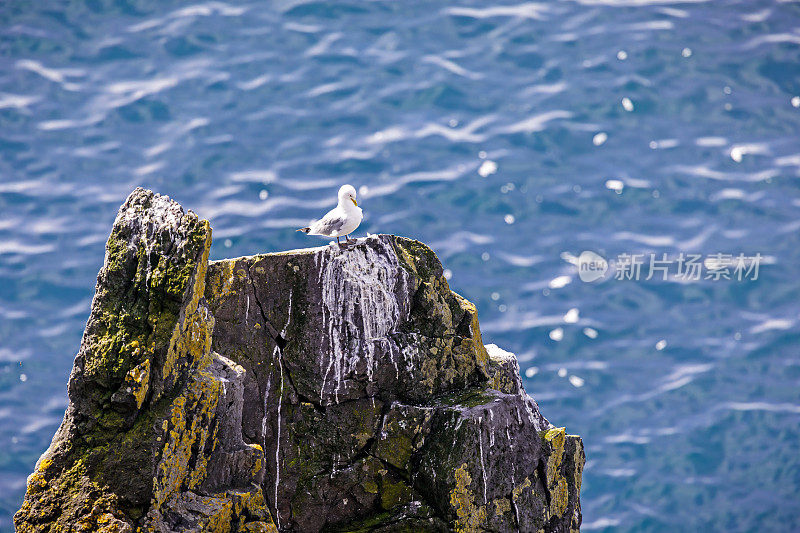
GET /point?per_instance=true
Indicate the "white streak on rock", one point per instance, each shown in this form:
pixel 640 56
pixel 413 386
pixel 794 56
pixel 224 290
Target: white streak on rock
pixel 483 466
pixel 275 352
pixel 280 404
pixel 491 433
pixel 359 307
pixel 408 355
pixel 264 420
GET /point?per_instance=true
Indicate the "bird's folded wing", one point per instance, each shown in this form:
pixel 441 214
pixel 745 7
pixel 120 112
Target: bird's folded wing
pixel 329 225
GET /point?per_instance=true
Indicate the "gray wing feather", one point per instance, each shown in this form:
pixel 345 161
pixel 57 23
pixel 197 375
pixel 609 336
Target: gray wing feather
pixel 327 226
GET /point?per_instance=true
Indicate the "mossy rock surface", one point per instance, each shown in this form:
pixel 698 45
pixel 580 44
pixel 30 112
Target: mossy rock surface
pixel 151 440
pixel 326 389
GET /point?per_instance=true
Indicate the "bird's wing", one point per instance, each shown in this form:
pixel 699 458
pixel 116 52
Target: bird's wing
pixel 329 224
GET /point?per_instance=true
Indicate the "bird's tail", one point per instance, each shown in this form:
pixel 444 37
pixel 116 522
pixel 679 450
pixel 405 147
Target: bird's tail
pixel 305 230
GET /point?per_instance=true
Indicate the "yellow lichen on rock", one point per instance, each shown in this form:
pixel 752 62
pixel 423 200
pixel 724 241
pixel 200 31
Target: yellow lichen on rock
pixel 516 492
pixel 556 483
pixel 258 464
pixel 470 517
pixel 137 380
pixel 224 280
pixel 191 337
pixel 500 381
pixel 198 282
pixel 252 506
pixel 258 527
pixel 221 283
pixel 182 434
pixel 501 506
pixel 37 481
pixel 481 356
pixel 429 370
pixel 219 521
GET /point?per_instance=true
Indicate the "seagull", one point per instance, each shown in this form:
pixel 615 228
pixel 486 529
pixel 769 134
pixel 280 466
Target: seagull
pixel 341 220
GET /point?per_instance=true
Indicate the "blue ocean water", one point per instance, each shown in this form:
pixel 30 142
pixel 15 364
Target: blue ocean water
pixel 510 137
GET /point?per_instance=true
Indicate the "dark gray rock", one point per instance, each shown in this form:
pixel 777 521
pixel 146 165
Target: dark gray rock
pixel 342 389
pixel 149 438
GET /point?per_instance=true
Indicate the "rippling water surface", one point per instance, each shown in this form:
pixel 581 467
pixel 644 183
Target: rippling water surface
pixel 510 137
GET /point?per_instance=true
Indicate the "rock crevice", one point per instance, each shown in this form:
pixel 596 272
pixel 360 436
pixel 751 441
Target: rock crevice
pixel 326 389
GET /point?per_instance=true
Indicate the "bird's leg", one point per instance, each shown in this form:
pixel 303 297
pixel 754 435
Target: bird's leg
pixel 338 241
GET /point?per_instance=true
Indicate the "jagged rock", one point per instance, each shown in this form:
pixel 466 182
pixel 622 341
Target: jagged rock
pixel 154 416
pixel 336 389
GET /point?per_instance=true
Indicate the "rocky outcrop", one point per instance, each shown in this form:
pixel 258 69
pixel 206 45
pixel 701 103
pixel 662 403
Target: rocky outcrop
pixel 326 389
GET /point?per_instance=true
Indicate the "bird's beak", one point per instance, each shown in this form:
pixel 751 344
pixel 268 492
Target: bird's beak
pixel 354 201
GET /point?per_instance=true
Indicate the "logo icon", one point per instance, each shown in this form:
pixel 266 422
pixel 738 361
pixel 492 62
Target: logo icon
pixel 591 266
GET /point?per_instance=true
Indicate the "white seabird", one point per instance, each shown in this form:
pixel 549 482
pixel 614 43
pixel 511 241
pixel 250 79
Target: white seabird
pixel 341 220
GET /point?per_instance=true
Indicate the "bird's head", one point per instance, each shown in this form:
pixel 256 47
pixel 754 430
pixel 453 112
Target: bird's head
pixel 347 193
